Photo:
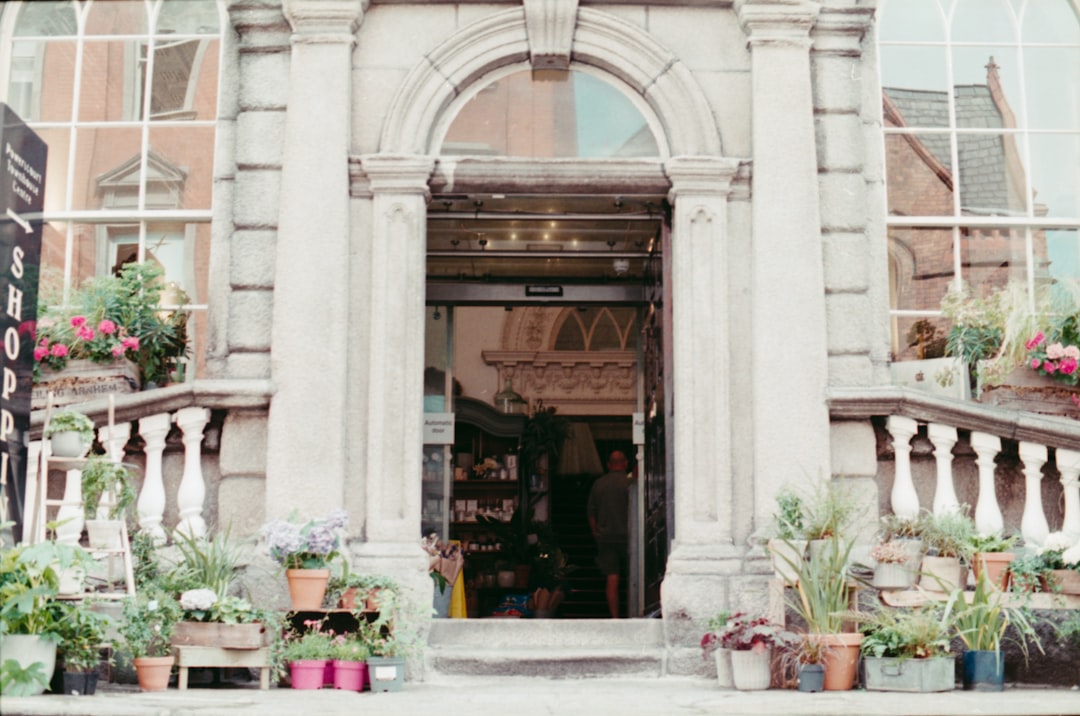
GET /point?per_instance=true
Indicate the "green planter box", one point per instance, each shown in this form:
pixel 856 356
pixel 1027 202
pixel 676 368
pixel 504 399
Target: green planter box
pixel 916 675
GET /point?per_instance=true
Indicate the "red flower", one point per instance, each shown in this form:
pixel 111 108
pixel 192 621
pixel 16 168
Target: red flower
pixel 1037 339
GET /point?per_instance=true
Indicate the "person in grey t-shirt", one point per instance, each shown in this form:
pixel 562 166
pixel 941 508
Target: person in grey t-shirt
pixel 607 509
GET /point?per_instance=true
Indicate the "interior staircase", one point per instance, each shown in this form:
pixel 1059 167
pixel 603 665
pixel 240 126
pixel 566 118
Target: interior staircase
pixel 550 648
pixel 585 585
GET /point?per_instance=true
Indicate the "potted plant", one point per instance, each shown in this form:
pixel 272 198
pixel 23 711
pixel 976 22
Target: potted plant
pixel 751 641
pixel 70 433
pixel 306 551
pixel 822 598
pixel 115 318
pixel 82 635
pixel 350 652
pixel 828 513
pixel 226 622
pixel 393 636
pixel 981 624
pixel 1060 556
pixel 145 631
pixel 788 530
pixel 711 646
pixel 907 650
pixel 892 568
pixel 808 656
pixel 993 553
pixel 103 477
pixel 29 618
pixel 308 655
pixel 948 539
pixel 1029 572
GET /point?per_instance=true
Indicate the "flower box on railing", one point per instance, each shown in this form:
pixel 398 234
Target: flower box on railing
pixel 82 380
pixel 1024 389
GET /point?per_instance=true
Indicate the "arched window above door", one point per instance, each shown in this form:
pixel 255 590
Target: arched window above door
pixel 550 114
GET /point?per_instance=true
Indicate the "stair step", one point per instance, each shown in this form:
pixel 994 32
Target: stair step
pixel 546 647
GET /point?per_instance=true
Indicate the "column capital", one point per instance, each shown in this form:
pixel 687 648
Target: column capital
pixel 316 21
pixel 700 175
pixel 778 22
pixel 260 24
pixel 840 30
pixel 396 173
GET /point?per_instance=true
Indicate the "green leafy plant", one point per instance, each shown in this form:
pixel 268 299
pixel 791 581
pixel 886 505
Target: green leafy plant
pixel 209 562
pixel 29 581
pixel 893 527
pixel 148 621
pixel 949 534
pixel 822 595
pixel 313 644
pixel 544 434
pixel 1028 572
pixel 349 647
pixel 981 623
pixel 830 510
pixel 101 475
pixel 82 634
pixel 994 542
pixel 113 317
pixel 788 519
pixel 71 421
pixel 919 633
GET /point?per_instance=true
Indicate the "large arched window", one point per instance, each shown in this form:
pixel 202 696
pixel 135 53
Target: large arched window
pixel 982 140
pixel 550 114
pixel 124 92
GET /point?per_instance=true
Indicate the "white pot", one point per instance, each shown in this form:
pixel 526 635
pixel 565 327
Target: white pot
pixel 27 649
pixel 892 575
pixel 67 443
pixel 104 534
pixel 942 574
pixel 71 580
pixel 723 668
pixel 751 670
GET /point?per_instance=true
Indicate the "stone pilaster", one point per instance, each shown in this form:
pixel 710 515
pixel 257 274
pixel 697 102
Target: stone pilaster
pixel 790 369
pixel 703 555
pixel 392 326
pixel 306 439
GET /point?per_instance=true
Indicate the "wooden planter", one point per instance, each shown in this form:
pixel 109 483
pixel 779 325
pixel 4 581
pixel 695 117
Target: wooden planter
pixel 1065 581
pixel 222 636
pixel 84 380
pixel 1024 389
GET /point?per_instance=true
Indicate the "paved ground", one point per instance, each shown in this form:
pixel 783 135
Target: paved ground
pixel 535 697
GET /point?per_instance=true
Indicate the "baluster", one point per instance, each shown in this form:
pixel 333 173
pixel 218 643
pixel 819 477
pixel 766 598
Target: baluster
pixel 943 438
pixel 33 525
pixel 988 519
pixel 192 492
pixel 1068 462
pixel 114 442
pixel 151 506
pixel 69 517
pixel 1033 525
pixel 905 501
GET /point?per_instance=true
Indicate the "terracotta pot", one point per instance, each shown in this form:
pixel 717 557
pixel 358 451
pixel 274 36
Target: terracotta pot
pixel 348 599
pixel 840 659
pixel 307 587
pixel 153 672
pixel 996 565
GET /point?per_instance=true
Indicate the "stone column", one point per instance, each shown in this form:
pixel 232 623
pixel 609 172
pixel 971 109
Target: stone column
pixel 703 554
pixel 306 437
pixel 392 328
pixel 788 339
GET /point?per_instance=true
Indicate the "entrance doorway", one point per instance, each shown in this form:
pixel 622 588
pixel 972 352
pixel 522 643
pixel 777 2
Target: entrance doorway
pixel 540 302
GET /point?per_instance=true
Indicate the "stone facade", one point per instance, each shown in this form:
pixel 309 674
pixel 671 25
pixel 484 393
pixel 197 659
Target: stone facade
pixel 769 118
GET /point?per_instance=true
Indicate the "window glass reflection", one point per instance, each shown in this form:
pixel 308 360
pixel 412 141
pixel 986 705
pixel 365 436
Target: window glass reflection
pixel 1056 21
pixel 117 17
pixel 920 72
pixel 992 175
pixel 983 21
pixel 920 181
pixel 106 172
pixel 1055 174
pixel 987 87
pixel 1062 253
pixel 181 173
pixel 111 88
pixel 1051 76
pixel 911 21
pixel 550 114
pixel 50 18
pixel 188 18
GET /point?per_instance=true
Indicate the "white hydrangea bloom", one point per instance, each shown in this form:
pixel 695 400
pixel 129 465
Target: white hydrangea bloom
pixel 198 599
pixel 1055 542
pixel 1071 556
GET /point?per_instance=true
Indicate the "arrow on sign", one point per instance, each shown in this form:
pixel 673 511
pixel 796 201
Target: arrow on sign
pixel 20 221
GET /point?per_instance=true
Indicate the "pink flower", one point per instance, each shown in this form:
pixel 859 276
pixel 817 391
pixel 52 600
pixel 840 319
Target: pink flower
pixel 1076 399
pixel 1049 367
pixel 131 343
pixel 1072 352
pixel 1055 351
pixel 107 327
pixel 1035 340
pixel 58 350
pixel 40 352
pixel 1035 363
pixel 1068 366
pixel 118 350
pixel 85 332
pixel 78 321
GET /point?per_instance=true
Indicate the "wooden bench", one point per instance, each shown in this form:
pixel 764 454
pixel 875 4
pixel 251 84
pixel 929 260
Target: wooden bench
pixel 215 656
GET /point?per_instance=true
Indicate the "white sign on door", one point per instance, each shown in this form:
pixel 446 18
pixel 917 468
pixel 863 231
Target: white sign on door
pixel 438 428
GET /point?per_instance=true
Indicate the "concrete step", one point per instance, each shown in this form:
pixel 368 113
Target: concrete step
pixel 546 647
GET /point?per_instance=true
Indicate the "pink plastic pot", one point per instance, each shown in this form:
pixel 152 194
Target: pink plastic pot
pixel 350 675
pixel 307 673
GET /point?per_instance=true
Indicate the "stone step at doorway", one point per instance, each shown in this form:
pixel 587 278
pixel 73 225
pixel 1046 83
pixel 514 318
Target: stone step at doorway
pixel 551 648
